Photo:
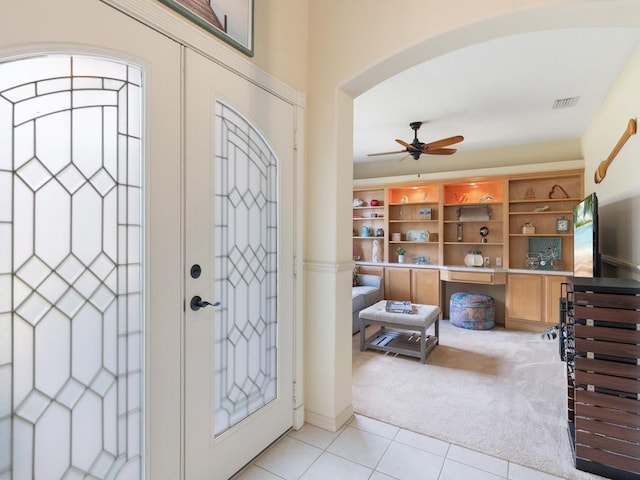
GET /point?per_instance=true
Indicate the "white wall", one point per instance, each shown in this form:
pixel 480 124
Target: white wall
pixel 281 32
pixel 619 192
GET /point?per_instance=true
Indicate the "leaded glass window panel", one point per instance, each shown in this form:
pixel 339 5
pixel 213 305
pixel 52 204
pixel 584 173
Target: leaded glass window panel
pixel 246 249
pixel 71 316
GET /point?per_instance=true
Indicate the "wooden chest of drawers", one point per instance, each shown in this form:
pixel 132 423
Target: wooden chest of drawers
pixel 603 373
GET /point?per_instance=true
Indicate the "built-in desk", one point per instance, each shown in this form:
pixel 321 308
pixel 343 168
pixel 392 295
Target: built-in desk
pixel 486 276
pixel 489 281
pixel 434 284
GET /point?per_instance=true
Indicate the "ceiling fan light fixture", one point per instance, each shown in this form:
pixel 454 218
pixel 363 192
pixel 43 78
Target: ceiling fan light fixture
pixel 565 103
pixel 416 148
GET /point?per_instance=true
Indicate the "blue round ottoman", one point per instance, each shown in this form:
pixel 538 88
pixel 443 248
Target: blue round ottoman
pixel 475 311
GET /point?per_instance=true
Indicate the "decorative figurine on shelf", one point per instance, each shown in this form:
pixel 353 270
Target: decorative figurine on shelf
pixel 533 261
pixel 530 194
pixel 484 231
pixel 380 232
pixel 554 193
pixel 425 213
pixel 423 260
pixel 357 202
pixel 366 231
pixel 460 197
pixel 528 229
pixel 374 251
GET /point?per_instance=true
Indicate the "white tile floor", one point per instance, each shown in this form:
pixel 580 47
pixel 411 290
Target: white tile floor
pixel 367 449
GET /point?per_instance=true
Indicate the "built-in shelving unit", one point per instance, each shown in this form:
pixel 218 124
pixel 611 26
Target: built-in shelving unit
pixel 441 221
pixel 414 223
pixel 469 208
pixel 536 204
pixel 369 213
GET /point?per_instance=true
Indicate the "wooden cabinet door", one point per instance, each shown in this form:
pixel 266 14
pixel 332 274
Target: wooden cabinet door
pixel 425 286
pixel 552 294
pixel 524 298
pixel 397 283
pixel 371 270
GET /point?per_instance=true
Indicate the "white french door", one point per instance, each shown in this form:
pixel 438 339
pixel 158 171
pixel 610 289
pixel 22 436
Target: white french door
pixel 239 252
pixel 105 205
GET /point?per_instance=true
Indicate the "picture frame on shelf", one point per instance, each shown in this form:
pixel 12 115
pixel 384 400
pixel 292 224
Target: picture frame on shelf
pixel 562 225
pixel 547 250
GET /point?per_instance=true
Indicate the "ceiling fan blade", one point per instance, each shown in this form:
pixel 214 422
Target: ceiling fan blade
pixel 441 151
pixel 445 142
pixel 405 157
pixel 405 144
pixel 385 153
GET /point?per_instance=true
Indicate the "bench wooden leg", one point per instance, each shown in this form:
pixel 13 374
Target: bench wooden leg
pixel 423 345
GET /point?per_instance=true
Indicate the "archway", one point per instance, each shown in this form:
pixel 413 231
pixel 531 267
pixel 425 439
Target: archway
pixel 338 143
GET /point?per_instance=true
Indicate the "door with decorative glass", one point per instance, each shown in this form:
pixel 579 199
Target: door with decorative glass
pixel 83 131
pixel 239 249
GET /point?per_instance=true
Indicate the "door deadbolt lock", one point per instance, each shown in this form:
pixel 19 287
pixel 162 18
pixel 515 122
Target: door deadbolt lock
pixel 197 303
pixel 196 271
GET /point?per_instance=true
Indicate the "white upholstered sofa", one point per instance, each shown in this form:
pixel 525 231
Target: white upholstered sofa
pixel 369 290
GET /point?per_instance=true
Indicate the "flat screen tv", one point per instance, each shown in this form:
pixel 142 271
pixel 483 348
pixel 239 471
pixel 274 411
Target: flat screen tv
pixel 586 248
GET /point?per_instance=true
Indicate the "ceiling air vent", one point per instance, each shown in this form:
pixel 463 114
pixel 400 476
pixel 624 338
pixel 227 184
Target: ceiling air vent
pixel 564 102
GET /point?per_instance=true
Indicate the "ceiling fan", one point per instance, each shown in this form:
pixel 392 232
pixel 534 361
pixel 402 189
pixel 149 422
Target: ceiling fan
pixel 417 148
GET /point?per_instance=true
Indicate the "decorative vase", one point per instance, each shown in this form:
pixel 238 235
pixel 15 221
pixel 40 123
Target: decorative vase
pixel 473 258
pixel 400 258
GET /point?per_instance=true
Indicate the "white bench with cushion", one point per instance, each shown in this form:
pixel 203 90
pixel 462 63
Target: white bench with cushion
pixel 389 339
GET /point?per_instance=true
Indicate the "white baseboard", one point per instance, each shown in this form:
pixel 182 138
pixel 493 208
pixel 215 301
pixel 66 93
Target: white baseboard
pixel 330 424
pixel 298 417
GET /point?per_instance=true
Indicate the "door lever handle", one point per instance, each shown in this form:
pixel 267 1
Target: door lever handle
pixel 197 303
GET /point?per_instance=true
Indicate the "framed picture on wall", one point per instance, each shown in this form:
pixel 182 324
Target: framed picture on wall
pixel 230 20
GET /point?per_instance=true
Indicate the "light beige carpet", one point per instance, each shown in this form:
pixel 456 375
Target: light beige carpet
pixel 500 392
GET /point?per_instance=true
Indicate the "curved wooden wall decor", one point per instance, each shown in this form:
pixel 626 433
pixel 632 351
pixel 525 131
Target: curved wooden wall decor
pixel 601 171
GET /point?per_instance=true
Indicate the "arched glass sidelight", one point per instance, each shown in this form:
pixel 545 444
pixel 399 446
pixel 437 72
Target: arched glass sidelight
pixel 71 291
